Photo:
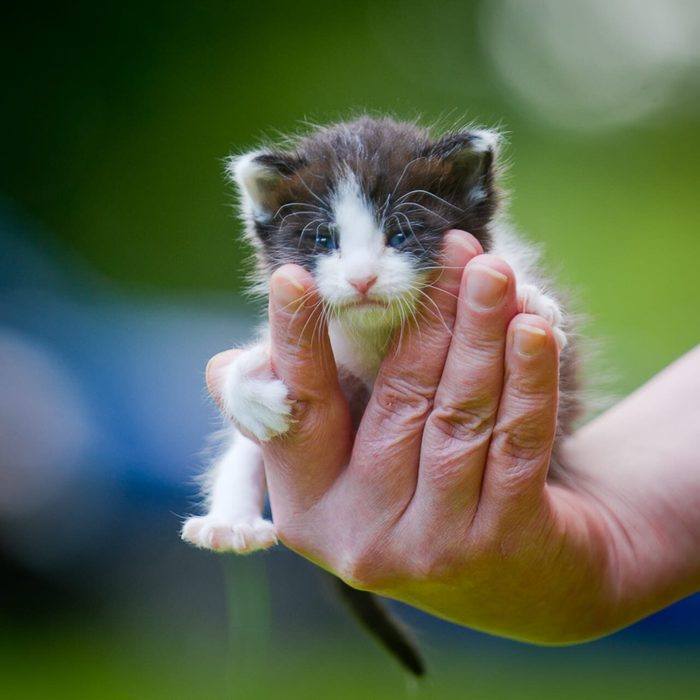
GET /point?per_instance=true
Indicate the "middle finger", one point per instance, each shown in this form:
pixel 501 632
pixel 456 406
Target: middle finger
pixel 458 431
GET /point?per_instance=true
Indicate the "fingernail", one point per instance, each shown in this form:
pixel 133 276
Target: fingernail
pixel 486 287
pixel 529 340
pixel 286 290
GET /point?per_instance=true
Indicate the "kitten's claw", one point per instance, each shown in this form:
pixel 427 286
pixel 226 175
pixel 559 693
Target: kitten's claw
pixel 532 300
pixel 254 398
pixel 561 337
pixel 243 536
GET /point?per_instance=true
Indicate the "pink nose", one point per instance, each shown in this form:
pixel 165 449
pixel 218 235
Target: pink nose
pixel 363 285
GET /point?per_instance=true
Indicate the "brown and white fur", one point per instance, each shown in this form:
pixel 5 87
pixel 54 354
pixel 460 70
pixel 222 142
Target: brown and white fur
pixel 363 205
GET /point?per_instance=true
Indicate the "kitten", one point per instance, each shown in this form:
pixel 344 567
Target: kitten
pixel 363 206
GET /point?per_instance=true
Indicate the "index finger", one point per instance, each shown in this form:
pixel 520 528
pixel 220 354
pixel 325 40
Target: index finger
pixel 403 394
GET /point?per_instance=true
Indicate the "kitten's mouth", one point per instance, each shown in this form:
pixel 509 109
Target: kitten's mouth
pixel 373 313
pixel 367 304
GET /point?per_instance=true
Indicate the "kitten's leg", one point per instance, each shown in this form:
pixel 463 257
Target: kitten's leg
pixel 253 398
pixel 256 401
pixel 236 495
pixel 533 297
pixel 534 300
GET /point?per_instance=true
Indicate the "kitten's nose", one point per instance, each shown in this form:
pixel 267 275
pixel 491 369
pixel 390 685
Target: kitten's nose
pixel 363 284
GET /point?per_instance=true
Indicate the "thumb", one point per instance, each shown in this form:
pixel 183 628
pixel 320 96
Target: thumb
pixel 300 348
pixel 302 465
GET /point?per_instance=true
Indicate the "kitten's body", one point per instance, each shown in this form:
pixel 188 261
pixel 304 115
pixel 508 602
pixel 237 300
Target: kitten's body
pixel 363 205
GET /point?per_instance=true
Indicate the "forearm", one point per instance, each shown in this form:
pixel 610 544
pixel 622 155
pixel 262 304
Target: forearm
pixel 640 462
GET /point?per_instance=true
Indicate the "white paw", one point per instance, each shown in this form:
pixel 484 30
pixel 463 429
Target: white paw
pixel 254 398
pixel 242 535
pixel 532 300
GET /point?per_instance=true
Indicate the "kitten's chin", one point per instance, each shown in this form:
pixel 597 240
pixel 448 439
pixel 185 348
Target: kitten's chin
pixel 370 314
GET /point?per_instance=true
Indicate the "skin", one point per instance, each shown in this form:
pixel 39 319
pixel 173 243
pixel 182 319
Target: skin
pixel 441 501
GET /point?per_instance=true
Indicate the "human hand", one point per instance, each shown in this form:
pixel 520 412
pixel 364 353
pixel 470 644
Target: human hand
pixel 441 500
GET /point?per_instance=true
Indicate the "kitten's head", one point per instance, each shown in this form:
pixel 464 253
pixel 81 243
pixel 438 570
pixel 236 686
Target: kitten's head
pixel 364 205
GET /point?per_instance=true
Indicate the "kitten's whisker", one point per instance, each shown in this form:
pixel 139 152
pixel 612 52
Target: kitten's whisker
pixel 416 319
pixel 324 204
pixel 318 320
pixel 395 215
pixel 429 194
pixel 311 223
pixel 401 177
pixel 303 231
pixel 382 211
pixel 302 299
pixel 441 290
pixel 291 321
pixel 441 269
pixel 428 268
pixel 420 207
pixel 323 319
pixel 410 314
pixel 438 312
pixel 405 318
pixel 298 204
pixel 423 313
pixel 311 315
pixel 299 213
pixel 397 309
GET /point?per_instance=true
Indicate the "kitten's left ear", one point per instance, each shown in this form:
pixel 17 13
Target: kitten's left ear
pixel 472 154
pixel 259 176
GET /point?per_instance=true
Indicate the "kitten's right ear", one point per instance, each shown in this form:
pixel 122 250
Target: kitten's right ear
pixel 259 175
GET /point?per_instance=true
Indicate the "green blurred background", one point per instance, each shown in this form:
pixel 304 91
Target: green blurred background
pixel 115 121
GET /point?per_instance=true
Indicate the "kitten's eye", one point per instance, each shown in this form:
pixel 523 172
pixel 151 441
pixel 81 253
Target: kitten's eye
pixel 325 240
pixel 398 239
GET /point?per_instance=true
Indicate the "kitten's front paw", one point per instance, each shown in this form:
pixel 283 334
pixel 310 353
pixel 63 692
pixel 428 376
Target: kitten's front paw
pixel 254 398
pixel 241 535
pixel 532 300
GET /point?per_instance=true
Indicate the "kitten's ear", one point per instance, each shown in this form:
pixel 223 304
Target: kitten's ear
pixel 472 154
pixel 259 175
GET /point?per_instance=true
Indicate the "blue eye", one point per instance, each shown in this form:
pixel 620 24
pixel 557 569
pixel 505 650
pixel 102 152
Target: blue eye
pixel 398 239
pixel 325 240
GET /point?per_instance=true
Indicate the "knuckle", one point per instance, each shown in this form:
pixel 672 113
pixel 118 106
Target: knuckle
pixel 288 534
pixel 364 568
pixel 528 389
pixel 433 567
pixel 464 421
pixel 293 530
pixel 482 347
pixel 373 566
pixel 301 413
pixel 453 467
pixel 436 562
pixel 402 400
pixel 524 440
pixel 371 570
pixel 357 575
pixel 312 422
pixel 486 542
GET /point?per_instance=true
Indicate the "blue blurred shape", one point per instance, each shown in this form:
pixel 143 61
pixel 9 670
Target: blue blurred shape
pixel 100 389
